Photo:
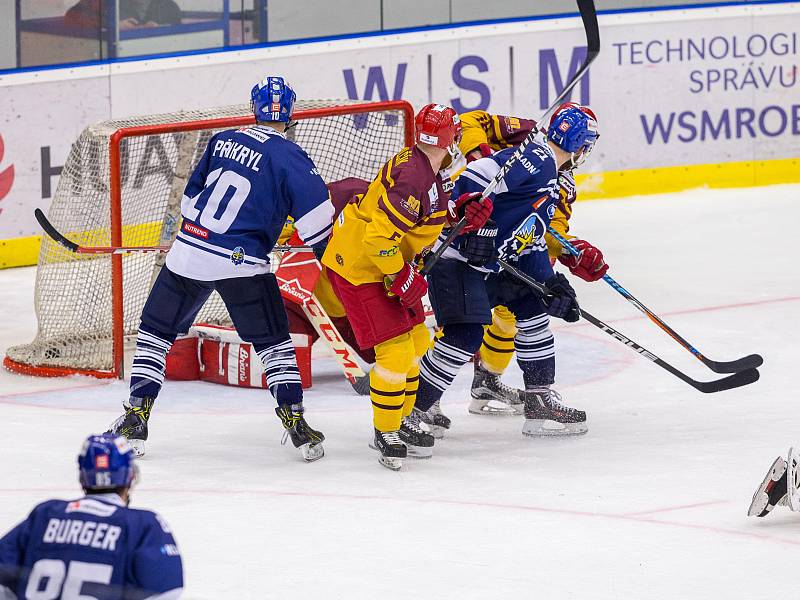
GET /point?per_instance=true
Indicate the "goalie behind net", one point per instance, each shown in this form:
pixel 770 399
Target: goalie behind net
pixel 122 184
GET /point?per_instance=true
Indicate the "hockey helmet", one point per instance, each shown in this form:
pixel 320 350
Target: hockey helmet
pixel 438 125
pixel 272 99
pixel 106 462
pixel 573 128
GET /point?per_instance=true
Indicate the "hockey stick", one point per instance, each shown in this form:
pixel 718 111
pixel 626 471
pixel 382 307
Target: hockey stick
pixel 589 17
pixel 297 277
pixel 67 243
pixel 726 383
pixel 733 366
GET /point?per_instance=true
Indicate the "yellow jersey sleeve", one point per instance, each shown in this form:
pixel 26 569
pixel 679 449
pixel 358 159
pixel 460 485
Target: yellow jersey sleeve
pixel 567 193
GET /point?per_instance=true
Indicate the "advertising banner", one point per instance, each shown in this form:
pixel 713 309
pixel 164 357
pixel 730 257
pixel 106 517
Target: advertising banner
pixel 671 88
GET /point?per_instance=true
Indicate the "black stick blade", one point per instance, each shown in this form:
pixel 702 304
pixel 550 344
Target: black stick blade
pixel 745 363
pixel 53 233
pixel 728 383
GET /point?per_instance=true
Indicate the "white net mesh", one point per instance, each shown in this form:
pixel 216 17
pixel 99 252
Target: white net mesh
pixel 74 300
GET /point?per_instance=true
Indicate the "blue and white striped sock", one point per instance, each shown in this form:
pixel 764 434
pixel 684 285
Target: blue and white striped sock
pixel 149 363
pixel 280 366
pixel 536 353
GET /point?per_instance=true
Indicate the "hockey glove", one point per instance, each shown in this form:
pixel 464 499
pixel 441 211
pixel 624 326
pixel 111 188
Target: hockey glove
pixel 481 151
pixel 468 206
pixel 478 247
pixel 588 265
pixel 561 301
pixel 408 285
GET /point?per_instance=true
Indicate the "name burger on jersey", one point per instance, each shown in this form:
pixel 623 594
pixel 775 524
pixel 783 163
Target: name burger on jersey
pixel 91 534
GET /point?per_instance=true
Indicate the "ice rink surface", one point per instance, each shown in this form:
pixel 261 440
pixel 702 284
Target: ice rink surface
pixel 651 503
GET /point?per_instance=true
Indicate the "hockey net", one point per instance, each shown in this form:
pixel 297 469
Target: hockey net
pixel 122 184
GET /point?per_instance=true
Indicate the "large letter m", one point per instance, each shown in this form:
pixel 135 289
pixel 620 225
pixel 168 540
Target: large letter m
pixel 549 71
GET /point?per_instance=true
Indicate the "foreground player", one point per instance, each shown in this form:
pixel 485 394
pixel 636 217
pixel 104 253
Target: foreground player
pixel 463 294
pixel 235 204
pixel 483 135
pixel 781 486
pixel 95 546
pixel 370 265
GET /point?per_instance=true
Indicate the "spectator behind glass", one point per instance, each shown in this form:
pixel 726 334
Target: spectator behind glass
pixel 132 13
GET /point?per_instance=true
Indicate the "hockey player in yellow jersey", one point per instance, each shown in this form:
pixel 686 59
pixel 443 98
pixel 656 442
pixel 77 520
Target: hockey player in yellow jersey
pixel 484 134
pixel 370 261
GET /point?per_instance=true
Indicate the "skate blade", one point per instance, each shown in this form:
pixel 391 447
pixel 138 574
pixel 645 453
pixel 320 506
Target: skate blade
pixel 312 452
pixel 793 480
pixel 137 446
pixel 759 506
pixel 482 406
pixel 419 452
pixel 437 431
pixel 548 428
pixel 394 464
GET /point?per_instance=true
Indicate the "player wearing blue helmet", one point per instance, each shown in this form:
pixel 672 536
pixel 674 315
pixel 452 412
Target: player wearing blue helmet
pixel 466 283
pixel 94 546
pixel 234 207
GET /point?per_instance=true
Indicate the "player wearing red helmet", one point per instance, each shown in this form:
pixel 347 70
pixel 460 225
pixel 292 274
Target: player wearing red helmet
pixel 370 262
pixel 484 134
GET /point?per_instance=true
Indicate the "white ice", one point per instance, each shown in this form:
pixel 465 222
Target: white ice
pixel 651 503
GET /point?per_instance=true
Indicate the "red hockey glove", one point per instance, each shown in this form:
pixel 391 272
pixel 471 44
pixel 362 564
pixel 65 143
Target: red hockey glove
pixel 408 285
pixel 481 151
pixel 470 208
pixel 588 265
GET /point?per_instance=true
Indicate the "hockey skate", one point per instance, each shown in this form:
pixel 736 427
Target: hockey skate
pixel 546 415
pixel 303 436
pixel 391 448
pixel 435 420
pixel 772 490
pixel 418 442
pixel 361 385
pixel 133 424
pixel 490 396
pixel 793 480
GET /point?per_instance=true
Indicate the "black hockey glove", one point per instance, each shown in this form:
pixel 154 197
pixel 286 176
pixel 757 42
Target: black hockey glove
pixel 319 249
pixel 561 302
pixel 478 246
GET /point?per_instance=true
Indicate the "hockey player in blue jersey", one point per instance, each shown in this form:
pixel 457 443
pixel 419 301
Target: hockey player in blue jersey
pixel 234 206
pixel 467 282
pixel 95 546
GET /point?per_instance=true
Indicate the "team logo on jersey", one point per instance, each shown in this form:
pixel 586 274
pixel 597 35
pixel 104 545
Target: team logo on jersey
pixel 101 461
pixel 237 256
pixel 551 210
pixel 411 205
pixel 527 237
pixel 564 126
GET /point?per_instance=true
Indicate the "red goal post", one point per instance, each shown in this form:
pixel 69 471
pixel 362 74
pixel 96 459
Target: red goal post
pixel 88 307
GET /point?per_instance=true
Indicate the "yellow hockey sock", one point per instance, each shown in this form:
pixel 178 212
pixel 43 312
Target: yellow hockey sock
pixel 497 348
pixel 387 381
pixel 421 338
